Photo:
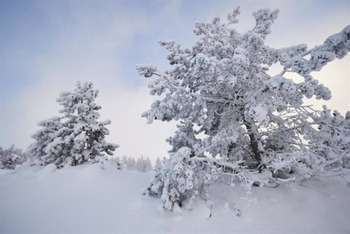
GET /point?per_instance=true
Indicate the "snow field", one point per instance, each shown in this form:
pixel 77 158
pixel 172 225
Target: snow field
pixel 101 199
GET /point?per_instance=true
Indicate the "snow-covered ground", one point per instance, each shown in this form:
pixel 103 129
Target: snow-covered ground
pixel 89 199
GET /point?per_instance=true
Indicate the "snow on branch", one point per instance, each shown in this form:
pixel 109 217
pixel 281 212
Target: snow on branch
pixel 335 46
pixel 146 70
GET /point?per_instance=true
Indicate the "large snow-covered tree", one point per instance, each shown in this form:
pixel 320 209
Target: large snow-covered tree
pixel 233 116
pixel 76 136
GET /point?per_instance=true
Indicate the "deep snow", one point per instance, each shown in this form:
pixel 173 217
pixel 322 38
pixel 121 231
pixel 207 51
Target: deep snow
pixel 102 199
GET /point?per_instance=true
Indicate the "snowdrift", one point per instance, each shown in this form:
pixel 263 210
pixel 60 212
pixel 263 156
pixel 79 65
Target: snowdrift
pixel 101 199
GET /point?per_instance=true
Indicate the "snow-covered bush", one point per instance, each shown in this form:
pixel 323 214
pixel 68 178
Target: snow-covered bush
pixel 178 181
pixel 11 158
pixel 76 136
pixel 234 118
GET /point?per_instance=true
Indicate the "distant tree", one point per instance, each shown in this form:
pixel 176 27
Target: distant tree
pixel 234 119
pixel 11 158
pixel 129 163
pixel 158 164
pixel 143 164
pixel 76 136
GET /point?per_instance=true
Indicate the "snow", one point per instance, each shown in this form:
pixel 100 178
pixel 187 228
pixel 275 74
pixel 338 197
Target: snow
pixel 101 199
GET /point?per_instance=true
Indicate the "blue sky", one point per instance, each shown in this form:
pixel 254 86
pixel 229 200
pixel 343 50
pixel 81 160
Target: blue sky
pixel 47 45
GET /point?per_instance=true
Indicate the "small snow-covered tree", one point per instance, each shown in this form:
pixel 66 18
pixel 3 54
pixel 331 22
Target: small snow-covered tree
pixel 75 137
pixel 234 118
pixel 11 158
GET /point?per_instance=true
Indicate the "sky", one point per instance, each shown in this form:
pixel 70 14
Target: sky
pixel 46 46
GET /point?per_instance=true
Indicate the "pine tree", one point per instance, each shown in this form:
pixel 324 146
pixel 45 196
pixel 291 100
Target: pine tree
pixel 234 118
pixel 75 137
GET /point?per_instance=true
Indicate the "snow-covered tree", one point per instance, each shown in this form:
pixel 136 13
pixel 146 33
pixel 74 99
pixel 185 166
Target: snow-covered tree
pixel 11 158
pixel 234 117
pixel 76 136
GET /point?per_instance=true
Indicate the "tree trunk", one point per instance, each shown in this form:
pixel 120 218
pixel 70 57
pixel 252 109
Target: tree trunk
pixel 254 141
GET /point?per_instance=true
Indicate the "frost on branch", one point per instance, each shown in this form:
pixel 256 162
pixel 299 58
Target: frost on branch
pixel 146 70
pixel 232 17
pixel 236 121
pixel 339 43
pixel 335 46
pixel 331 140
pixel 75 137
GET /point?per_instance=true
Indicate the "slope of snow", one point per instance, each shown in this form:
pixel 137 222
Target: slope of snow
pixel 96 199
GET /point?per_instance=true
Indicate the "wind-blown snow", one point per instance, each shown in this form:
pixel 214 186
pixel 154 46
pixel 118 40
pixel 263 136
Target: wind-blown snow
pixel 102 199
